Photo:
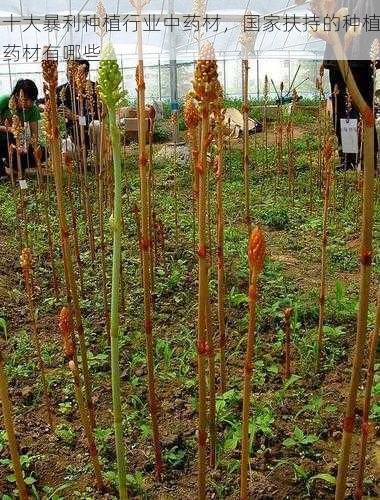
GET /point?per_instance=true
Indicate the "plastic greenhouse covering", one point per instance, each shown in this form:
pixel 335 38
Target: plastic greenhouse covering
pixel 283 55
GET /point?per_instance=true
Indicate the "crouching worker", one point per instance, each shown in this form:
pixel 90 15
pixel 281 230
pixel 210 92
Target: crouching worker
pixel 18 154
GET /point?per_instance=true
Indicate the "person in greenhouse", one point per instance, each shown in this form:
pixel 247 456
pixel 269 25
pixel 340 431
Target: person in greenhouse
pixel 66 104
pixel 362 71
pixel 21 102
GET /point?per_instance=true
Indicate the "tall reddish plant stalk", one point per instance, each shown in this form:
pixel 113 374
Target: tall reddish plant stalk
pixel 348 110
pixel 321 120
pixel 366 264
pixel 10 430
pixel 327 154
pixel 366 243
pixel 205 91
pixel 219 170
pixel 279 129
pixel 367 402
pixel 17 130
pixel 245 111
pixel 288 316
pixel 192 118
pixel 67 333
pixel 80 80
pixel 290 150
pixel 101 174
pixel 151 113
pixel 43 194
pixel 174 124
pixel 265 121
pixel 256 256
pixel 72 68
pixel 8 127
pixel 211 382
pixel 69 164
pixel 146 244
pixel 50 75
pixel 69 171
pixel 311 177
pixel 26 266
pixel 136 215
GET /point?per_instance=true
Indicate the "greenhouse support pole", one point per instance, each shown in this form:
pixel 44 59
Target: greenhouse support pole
pixel 258 76
pixel 224 75
pixel 122 72
pixel 10 76
pixel 173 76
pixel 159 79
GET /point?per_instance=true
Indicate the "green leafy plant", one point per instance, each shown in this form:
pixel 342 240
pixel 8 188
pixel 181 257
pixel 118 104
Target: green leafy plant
pixel 316 407
pixel 66 434
pixel 261 424
pixel 341 307
pixel 226 407
pixel 343 259
pixel 66 408
pixel 274 216
pixel 3 326
pixel 375 411
pixel 26 462
pixel 162 131
pixel 3 439
pixel 50 493
pixel 175 457
pixel 98 362
pixel 299 439
pixel 136 483
pixel 300 473
pixel 328 478
pixel 288 383
pixel 104 440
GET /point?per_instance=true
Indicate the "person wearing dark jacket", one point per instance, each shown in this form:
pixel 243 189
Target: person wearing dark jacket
pixel 361 68
pixel 65 95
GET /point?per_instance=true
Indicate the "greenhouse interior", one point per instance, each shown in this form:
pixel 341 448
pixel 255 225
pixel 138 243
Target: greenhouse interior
pixel 189 240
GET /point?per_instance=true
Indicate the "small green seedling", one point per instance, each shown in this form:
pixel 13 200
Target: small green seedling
pixel 66 434
pixel 299 439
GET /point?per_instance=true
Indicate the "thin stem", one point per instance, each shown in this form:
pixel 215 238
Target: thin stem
pixel 247 390
pixel 322 293
pixel 88 430
pixel 246 147
pixel 367 402
pixel 365 266
pixel 115 304
pixel 146 265
pixel 202 298
pixel 9 427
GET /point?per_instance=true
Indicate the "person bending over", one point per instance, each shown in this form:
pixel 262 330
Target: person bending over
pixel 23 97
